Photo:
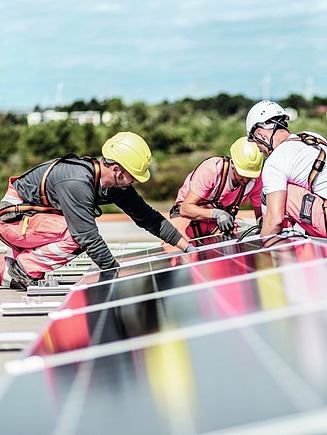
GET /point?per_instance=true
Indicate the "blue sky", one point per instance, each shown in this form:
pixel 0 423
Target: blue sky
pixel 60 51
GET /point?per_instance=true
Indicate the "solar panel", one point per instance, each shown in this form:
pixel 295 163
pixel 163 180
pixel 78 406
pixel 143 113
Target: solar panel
pixel 210 342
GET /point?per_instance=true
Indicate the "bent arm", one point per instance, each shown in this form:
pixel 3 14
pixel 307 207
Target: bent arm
pixel 190 209
pixel 273 221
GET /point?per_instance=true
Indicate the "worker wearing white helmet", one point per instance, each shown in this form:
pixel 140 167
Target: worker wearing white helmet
pixel 292 159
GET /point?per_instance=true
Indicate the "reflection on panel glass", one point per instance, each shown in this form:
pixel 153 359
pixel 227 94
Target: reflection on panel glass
pixel 144 253
pixel 229 338
pixel 253 376
pixel 212 266
pixel 165 257
pixel 193 305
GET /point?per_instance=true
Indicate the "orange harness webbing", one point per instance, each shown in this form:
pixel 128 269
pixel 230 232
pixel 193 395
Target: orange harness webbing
pixel 24 208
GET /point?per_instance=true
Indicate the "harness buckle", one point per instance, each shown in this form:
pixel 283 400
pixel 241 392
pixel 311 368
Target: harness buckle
pixel 318 165
pixel 233 210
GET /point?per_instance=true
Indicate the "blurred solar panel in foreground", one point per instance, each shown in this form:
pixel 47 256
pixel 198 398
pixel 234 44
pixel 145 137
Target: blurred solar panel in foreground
pixel 231 339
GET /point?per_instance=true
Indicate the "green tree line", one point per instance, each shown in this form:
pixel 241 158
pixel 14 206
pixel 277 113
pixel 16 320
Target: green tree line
pixel 180 134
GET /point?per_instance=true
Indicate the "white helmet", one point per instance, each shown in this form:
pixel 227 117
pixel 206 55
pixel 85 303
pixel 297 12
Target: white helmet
pixel 262 112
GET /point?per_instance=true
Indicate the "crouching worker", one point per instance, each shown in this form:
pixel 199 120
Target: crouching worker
pixel 210 197
pixel 47 216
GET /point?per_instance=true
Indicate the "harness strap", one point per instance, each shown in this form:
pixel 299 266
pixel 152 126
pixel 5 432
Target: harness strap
pixel 317 167
pixel 21 208
pixel 215 202
pixel 223 179
pixel 43 195
pixel 93 160
pixel 231 208
pixel 234 208
pixel 24 208
pixel 319 162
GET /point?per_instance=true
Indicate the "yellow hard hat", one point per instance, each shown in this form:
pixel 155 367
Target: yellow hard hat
pixel 131 152
pixel 247 158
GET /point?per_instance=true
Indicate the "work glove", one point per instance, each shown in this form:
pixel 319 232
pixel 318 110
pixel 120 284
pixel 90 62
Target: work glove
pixel 109 274
pixel 225 221
pixel 189 248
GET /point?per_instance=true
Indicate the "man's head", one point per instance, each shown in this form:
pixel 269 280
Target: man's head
pixel 262 122
pixel 126 158
pixel 247 160
pixel 131 152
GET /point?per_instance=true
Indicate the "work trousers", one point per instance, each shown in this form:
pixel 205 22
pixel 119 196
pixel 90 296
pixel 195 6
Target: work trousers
pixel 40 243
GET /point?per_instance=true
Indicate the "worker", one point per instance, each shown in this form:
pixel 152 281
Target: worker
pixel 295 164
pixel 210 197
pixel 47 216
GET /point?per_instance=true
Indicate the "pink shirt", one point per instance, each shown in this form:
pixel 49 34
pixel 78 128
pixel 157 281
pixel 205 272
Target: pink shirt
pixel 204 182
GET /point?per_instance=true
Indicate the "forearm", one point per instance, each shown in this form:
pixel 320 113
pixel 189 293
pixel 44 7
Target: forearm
pixel 97 249
pixel 182 244
pixel 257 212
pixel 273 221
pixel 270 227
pixel 195 212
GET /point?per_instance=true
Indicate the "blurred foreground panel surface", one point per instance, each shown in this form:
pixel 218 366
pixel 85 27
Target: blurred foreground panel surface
pixel 231 339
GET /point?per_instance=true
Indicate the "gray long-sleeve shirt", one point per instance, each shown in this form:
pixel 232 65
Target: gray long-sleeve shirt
pixel 70 190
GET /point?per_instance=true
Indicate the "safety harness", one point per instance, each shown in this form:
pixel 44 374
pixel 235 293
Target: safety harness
pixel 317 167
pixel 10 212
pixel 319 163
pixel 215 202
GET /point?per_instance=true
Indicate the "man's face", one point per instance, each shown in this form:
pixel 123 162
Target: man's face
pixel 114 175
pixel 237 179
pixel 242 181
pixel 123 179
pixel 261 135
pixel 263 149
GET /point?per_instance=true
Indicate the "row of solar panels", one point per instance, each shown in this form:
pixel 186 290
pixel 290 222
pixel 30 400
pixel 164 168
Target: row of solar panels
pixel 214 341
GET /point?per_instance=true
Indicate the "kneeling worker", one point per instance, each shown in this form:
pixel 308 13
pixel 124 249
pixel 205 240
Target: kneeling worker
pixel 47 216
pixel 212 193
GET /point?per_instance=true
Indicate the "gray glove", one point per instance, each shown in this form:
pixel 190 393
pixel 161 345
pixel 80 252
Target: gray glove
pixel 189 248
pixel 225 221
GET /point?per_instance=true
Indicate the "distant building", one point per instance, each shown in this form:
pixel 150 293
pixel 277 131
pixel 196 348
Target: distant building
pixel 88 117
pixel 34 118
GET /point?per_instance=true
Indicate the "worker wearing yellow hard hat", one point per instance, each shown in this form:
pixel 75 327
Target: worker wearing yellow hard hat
pixel 210 197
pixel 47 216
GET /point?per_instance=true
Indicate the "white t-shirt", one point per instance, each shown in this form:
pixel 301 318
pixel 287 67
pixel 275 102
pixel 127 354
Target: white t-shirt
pixel 291 162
